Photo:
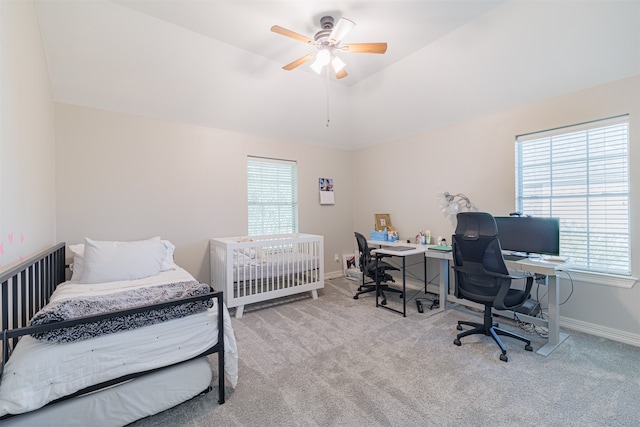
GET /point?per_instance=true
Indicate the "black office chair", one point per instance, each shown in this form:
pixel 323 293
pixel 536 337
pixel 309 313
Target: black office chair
pixel 368 268
pixel 482 276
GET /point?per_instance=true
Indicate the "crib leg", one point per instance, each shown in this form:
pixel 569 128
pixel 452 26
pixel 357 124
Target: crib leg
pixel 314 294
pixel 239 311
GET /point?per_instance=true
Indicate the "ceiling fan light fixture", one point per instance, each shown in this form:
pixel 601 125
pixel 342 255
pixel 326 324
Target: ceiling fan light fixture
pixel 341 29
pixel 323 57
pixel 337 64
pixel 317 66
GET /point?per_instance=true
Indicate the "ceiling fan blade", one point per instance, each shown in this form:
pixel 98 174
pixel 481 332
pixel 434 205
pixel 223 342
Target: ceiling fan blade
pixel 340 30
pixel 292 34
pixel 365 47
pixel 341 74
pixel 299 62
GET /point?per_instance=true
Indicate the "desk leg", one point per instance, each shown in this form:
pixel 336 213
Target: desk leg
pixel 444 283
pixel 377 282
pixel 555 336
pixel 426 281
pixel 404 287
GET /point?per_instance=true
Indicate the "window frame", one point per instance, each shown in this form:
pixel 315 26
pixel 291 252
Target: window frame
pixel 278 173
pixel 618 278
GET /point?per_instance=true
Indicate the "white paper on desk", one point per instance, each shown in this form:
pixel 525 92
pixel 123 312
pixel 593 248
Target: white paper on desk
pixel 327 198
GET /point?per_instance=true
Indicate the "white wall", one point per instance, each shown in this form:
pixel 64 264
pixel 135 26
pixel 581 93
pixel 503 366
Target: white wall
pixel 122 177
pixel 27 145
pixel 476 158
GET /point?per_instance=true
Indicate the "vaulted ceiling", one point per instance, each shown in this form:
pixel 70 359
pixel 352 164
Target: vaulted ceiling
pixel 216 63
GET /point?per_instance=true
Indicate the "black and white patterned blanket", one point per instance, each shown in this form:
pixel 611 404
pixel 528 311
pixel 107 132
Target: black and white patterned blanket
pixel 78 307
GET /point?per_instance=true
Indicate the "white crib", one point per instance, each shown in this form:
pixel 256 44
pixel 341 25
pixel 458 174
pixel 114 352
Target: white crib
pixel 260 268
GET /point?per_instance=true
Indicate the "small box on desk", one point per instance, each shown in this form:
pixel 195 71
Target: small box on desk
pixel 378 235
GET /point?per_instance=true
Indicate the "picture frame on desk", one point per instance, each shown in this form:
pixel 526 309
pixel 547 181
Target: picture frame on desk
pixel 383 221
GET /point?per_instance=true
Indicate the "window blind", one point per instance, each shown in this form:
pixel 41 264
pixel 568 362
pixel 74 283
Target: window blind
pixel 580 174
pixel 272 193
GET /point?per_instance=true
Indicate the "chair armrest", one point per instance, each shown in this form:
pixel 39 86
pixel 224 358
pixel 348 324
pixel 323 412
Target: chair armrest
pixel 506 277
pixel 510 276
pixel 499 301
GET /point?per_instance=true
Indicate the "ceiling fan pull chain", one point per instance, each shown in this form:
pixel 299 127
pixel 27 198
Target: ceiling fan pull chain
pixel 327 69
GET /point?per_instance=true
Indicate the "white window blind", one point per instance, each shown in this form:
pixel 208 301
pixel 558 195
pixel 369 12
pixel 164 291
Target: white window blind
pixel 580 174
pixel 272 191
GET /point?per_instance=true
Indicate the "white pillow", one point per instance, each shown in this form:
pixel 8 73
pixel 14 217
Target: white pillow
pixel 167 262
pixel 78 261
pixel 111 261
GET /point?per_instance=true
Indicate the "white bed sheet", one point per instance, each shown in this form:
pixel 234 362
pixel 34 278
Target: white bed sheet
pixel 144 396
pixel 38 372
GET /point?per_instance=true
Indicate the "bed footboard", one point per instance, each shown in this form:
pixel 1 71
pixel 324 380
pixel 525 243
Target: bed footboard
pixel 25 289
pixel 260 268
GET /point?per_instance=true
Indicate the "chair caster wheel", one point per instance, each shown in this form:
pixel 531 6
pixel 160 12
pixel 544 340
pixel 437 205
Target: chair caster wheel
pixel 457 342
pixel 528 347
pixel 459 327
pixel 504 358
pixel 355 297
pixel 384 302
pixel 401 295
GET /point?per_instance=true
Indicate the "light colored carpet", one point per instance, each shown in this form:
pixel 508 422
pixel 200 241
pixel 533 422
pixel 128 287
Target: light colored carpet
pixel 336 361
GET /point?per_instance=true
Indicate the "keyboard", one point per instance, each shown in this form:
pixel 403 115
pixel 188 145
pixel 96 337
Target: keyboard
pixel 512 257
pixel 398 248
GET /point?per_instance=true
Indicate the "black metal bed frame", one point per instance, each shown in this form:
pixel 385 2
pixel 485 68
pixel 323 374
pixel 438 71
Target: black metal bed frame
pixel 27 287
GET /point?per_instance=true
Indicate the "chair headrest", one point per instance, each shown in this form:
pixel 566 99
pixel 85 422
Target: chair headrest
pixel 472 225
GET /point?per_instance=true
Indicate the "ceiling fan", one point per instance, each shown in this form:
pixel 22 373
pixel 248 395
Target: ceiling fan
pixel 328 41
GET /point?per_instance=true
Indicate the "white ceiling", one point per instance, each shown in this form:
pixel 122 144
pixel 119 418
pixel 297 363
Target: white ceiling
pixel 216 63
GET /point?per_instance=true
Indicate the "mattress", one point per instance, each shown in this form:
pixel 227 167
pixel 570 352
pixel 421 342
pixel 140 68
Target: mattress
pixel 145 396
pixel 39 372
pixel 273 265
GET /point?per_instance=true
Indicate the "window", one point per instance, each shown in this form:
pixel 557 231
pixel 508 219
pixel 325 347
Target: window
pixel 272 192
pixel 580 174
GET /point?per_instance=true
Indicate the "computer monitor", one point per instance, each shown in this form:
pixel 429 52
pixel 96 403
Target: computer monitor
pixel 529 235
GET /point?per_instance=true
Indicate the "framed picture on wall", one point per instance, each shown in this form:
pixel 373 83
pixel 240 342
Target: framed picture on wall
pixel 327 196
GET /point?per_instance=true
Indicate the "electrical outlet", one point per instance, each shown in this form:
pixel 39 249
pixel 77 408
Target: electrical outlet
pixel 336 257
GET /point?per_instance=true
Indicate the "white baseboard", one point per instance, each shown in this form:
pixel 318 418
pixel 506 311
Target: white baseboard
pixel 333 274
pixel 601 331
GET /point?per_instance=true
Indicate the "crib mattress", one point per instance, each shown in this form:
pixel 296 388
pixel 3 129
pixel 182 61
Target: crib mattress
pixel 274 265
pixel 39 372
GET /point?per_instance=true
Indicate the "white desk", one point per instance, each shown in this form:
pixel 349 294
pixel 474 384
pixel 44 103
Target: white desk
pixel 548 269
pixel 387 250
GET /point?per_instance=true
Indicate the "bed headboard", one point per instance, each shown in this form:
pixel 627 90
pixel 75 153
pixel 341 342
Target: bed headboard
pixel 26 288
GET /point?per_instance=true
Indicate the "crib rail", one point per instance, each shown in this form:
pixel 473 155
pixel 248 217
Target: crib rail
pixel 26 288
